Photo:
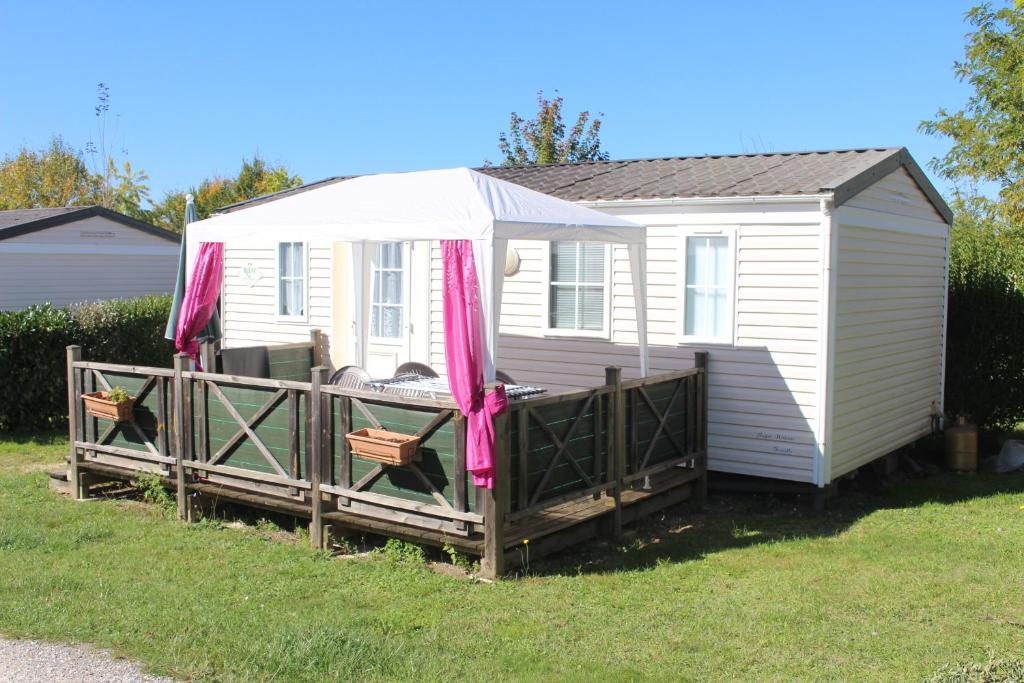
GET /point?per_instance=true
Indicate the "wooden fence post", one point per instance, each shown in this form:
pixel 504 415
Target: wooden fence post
pixel 316 338
pixel 700 490
pixel 208 356
pixel 617 442
pixel 182 363
pixel 74 476
pixel 496 501
pixel 316 467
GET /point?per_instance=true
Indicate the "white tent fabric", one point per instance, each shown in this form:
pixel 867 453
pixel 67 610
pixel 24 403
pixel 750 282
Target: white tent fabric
pixel 447 204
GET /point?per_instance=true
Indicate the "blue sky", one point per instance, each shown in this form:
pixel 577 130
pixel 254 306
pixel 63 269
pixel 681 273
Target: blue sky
pixel 343 87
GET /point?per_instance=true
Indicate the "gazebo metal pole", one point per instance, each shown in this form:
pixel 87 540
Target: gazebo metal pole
pixel 638 273
pixel 500 248
pixel 489 255
pixel 359 279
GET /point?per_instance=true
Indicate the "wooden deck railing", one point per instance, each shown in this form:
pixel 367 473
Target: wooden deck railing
pixel 280 443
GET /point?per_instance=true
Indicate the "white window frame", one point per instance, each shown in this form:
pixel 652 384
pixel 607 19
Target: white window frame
pixel 406 330
pixel 728 232
pixel 280 317
pixel 605 331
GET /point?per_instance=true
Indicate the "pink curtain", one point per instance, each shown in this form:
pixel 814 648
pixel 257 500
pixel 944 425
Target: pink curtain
pixel 200 298
pixel 463 350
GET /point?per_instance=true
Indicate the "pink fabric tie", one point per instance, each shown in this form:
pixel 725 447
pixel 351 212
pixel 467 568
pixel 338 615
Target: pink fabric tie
pixel 200 298
pixel 463 349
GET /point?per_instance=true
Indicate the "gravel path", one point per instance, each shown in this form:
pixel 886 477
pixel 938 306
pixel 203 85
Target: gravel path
pixel 30 661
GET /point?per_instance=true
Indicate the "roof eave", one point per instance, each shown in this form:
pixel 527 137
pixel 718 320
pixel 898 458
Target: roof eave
pixel 900 158
pixel 87 212
pixel 688 201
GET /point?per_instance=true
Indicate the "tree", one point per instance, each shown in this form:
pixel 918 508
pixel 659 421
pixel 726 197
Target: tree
pixel 255 179
pixel 984 356
pixel 59 175
pixel 988 133
pixel 117 186
pixel 50 177
pixel 543 140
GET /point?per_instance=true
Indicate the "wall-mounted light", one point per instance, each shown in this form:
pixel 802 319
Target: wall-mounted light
pixel 512 262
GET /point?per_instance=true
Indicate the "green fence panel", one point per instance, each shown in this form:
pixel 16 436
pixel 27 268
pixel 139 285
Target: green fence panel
pixel 146 412
pixel 436 456
pixel 273 430
pixel 542 449
pixel 290 362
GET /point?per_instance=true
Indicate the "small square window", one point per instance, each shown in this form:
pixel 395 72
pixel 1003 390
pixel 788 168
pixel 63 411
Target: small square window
pixel 578 287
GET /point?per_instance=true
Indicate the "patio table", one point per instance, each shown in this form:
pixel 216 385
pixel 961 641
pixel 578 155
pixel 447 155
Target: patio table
pixel 436 385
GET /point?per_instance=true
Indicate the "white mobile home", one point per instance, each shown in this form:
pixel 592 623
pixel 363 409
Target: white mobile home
pixel 816 280
pixel 72 254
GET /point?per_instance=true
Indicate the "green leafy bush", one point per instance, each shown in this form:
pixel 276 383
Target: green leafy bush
pixel 32 376
pixel 985 351
pixel 33 369
pixel 124 330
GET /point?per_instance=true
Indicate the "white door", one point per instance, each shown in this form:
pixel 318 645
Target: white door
pixel 390 290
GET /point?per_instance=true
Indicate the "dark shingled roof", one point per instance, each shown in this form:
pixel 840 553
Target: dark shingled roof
pixel 842 173
pixel 9 219
pixel 17 222
pixel 708 176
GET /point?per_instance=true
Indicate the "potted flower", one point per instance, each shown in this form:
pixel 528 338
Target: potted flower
pixel 114 405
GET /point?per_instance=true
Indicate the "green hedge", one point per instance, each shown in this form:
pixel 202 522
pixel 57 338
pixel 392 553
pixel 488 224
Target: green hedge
pixel 985 339
pixel 33 390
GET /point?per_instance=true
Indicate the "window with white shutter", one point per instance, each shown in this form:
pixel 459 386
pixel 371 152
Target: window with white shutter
pixel 578 288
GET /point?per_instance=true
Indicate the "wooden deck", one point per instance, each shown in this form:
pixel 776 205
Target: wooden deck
pixel 569 466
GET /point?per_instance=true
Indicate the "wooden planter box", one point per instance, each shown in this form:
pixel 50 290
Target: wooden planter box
pixel 98 405
pixel 378 445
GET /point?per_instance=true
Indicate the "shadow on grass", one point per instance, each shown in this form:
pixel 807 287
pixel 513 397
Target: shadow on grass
pixel 734 521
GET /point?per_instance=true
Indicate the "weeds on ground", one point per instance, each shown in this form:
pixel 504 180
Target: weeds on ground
pixel 267 526
pixel 460 560
pixel 400 552
pixel 154 492
pixel 992 671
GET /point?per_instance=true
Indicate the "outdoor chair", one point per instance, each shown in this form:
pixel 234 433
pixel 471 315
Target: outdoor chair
pixel 502 377
pixel 350 377
pixel 414 368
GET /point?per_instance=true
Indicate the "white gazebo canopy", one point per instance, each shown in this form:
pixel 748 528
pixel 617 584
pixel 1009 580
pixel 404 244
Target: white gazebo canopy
pixel 448 204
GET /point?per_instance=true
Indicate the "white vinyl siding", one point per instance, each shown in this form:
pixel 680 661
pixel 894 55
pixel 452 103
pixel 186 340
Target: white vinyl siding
pixel 763 387
pixel 87 260
pixel 249 306
pixel 889 321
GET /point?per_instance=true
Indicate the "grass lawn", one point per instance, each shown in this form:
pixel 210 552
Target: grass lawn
pixel 882 587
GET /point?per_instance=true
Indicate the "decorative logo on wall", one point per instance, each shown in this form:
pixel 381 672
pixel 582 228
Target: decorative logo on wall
pixel 251 274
